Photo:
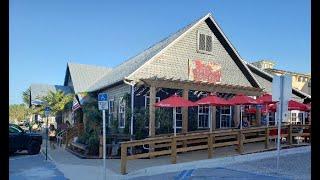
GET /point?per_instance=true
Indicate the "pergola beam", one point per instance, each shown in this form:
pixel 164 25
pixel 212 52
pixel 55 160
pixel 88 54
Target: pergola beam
pixel 201 86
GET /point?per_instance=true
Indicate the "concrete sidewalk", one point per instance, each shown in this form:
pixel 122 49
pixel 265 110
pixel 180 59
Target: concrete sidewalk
pixel 74 167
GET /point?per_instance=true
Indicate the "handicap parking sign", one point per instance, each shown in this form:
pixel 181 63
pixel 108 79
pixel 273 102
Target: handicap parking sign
pixel 103 101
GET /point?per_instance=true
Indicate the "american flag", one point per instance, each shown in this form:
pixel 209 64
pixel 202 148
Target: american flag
pixel 75 104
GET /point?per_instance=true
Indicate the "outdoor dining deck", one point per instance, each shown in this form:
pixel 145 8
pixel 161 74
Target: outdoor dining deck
pixel 235 140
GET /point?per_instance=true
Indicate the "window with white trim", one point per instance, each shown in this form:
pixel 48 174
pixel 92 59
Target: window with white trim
pixel 293 118
pixel 300 117
pixel 205 41
pixel 272 119
pixel 147 101
pixel 122 113
pixel 178 118
pixel 203 116
pixel 225 116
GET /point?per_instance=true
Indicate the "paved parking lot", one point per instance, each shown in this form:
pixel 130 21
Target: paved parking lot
pixel 24 166
pixel 294 166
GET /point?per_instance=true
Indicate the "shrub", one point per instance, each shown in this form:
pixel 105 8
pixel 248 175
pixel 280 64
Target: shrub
pixel 93 145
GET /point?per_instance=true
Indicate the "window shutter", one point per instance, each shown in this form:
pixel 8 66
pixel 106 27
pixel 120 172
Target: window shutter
pixel 209 43
pixel 202 39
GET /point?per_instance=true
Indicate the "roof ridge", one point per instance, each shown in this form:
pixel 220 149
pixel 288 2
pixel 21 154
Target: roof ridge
pixel 299 73
pixel 162 40
pixel 158 44
pixel 95 66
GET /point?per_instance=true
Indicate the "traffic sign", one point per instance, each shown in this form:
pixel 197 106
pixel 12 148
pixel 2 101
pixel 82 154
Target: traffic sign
pixel 103 101
pixel 102 97
pixel 47 111
pixel 103 105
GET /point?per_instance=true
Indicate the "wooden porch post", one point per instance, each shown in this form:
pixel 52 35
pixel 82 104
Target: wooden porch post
pixel 214 117
pixel 185 117
pixel 236 115
pixel 184 110
pixel 258 116
pixel 152 116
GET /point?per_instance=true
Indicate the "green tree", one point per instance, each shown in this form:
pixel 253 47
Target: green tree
pixel 57 101
pixel 18 112
pixel 26 96
pixel 90 109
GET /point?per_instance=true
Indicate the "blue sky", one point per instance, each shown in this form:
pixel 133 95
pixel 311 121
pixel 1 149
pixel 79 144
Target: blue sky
pixel 45 35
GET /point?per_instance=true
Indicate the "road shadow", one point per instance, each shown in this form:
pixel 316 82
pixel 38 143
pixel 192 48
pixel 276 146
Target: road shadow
pixel 19 154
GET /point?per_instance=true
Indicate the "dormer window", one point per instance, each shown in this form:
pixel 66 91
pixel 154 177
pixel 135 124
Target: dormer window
pixel 205 42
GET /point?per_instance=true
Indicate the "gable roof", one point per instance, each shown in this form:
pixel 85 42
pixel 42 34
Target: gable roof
pixel 83 75
pixel 38 91
pixel 265 80
pixel 132 65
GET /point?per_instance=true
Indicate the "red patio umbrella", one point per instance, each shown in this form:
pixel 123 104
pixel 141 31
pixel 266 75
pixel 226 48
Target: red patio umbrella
pixel 294 105
pixel 175 101
pixel 267 100
pixel 213 100
pixel 241 99
pixel 263 110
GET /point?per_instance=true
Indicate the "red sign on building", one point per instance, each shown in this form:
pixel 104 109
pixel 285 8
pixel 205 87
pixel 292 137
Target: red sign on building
pixel 205 71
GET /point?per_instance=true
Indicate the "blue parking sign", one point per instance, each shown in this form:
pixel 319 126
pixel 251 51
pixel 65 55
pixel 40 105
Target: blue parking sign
pixel 102 97
pixel 47 108
pixel 103 101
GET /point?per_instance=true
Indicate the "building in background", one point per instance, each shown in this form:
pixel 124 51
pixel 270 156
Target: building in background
pixel 300 81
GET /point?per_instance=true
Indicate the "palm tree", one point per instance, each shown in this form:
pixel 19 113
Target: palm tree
pixel 57 101
pixel 26 97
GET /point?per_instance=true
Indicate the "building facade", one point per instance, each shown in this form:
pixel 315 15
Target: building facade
pixel 193 62
pixel 300 81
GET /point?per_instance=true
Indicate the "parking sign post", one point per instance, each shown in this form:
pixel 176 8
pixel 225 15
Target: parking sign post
pixel 103 105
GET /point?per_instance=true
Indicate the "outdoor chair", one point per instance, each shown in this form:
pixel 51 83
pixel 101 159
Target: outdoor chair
pixel 60 136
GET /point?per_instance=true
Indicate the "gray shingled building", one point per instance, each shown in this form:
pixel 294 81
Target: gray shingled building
pixel 194 53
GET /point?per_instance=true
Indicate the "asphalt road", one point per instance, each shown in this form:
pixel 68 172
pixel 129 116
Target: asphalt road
pixel 295 166
pixel 23 166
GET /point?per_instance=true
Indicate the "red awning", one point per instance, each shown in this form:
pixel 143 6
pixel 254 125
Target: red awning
pixel 266 99
pixel 294 105
pixel 241 99
pixel 214 100
pixel 175 101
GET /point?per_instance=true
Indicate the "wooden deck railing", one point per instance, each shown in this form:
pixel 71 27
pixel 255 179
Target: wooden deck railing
pixel 170 145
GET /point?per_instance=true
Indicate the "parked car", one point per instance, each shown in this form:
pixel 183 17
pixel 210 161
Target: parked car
pixel 25 126
pixel 20 140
